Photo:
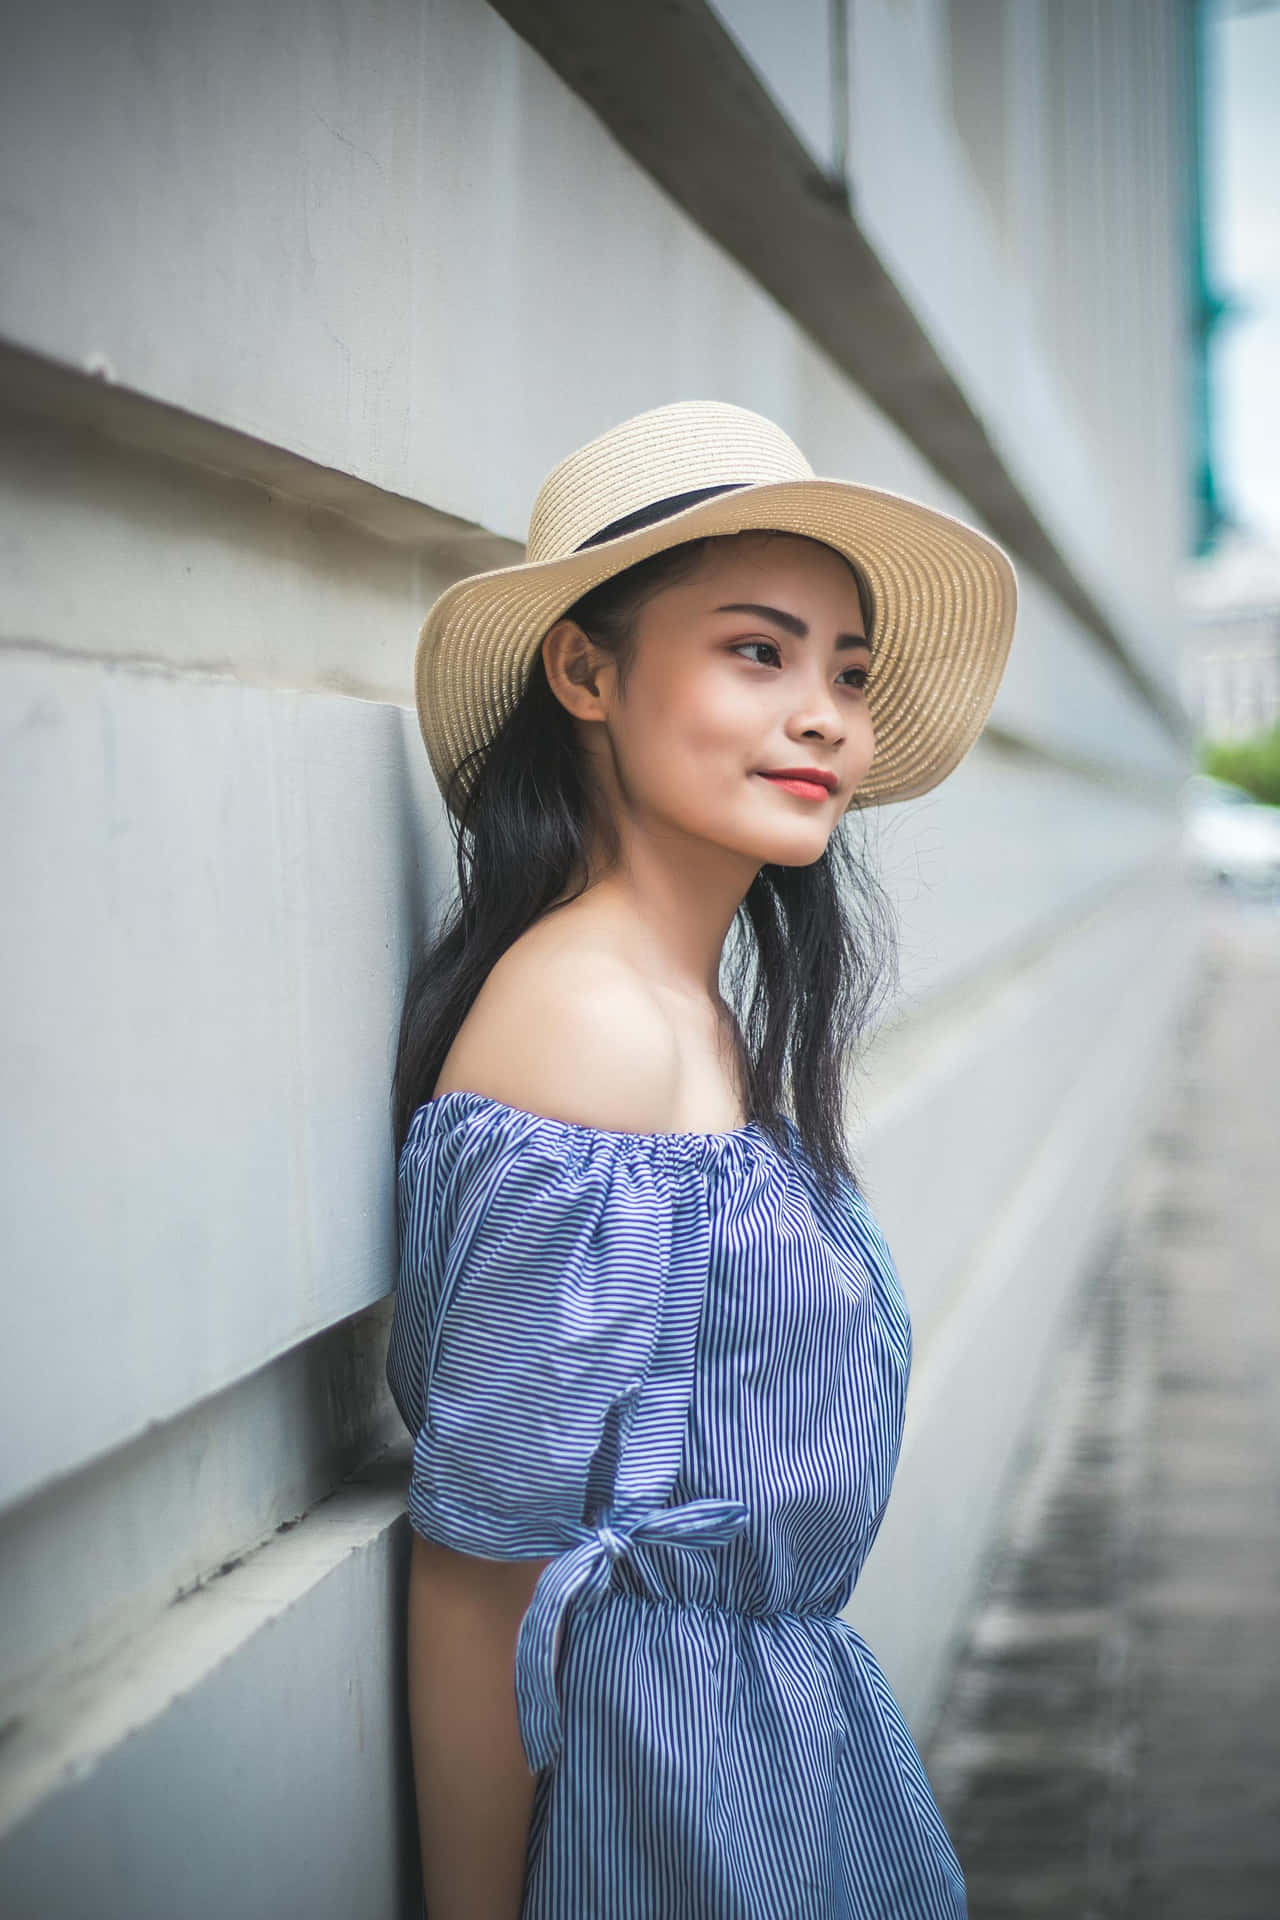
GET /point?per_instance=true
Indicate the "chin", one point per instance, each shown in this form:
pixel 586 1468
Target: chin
pixel 795 850
pixel 771 841
pixel 795 844
pixel 793 838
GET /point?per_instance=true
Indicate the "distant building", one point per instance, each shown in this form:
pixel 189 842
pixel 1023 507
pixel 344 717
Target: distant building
pixel 1231 663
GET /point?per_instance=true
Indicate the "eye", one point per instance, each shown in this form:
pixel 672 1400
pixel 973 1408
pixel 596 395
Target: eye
pixel 860 676
pixel 761 646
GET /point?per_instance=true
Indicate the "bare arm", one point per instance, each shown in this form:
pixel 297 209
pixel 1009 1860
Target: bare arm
pixel 472 1780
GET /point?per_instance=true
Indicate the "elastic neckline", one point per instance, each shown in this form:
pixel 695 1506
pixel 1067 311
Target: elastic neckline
pixel 464 1096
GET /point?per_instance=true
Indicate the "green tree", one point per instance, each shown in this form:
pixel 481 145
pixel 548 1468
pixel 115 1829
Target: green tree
pixel 1251 764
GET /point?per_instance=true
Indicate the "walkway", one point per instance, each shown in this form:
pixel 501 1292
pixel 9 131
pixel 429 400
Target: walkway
pixel 1111 1746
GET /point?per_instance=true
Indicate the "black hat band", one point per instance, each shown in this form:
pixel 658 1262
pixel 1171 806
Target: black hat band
pixel 660 510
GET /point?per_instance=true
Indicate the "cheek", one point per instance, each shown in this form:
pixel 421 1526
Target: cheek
pixel 695 720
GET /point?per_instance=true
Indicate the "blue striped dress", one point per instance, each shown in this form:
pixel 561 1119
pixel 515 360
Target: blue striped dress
pixel 670 1364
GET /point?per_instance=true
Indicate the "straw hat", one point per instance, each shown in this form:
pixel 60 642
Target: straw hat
pixel 945 595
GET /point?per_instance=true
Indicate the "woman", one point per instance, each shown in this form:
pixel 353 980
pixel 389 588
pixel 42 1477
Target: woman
pixel 648 1337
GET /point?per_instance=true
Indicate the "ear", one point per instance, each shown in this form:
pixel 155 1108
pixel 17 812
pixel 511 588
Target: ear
pixel 577 669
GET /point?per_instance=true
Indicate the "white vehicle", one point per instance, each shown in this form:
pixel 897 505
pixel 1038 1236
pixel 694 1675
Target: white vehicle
pixel 1230 836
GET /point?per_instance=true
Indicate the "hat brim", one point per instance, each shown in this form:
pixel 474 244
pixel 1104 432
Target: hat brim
pixel 945 602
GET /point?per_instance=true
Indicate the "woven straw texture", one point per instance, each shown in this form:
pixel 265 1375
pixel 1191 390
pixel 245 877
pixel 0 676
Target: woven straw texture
pixel 945 595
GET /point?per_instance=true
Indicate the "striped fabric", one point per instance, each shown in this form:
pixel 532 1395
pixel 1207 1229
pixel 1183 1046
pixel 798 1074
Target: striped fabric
pixel 669 1362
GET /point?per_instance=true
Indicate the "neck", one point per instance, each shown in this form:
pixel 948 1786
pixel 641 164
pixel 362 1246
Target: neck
pixel 675 898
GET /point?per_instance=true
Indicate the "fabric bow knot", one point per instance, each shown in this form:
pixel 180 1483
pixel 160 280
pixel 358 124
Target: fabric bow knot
pixel 582 1573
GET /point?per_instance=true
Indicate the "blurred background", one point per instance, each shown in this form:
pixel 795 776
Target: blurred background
pixel 298 305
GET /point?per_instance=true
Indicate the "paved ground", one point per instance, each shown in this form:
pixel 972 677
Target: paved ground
pixel 1111 1746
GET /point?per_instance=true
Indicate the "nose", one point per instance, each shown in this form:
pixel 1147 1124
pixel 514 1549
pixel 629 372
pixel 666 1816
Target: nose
pixel 816 714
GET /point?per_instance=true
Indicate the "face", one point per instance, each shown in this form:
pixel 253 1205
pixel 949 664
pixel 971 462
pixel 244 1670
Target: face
pixel 742 717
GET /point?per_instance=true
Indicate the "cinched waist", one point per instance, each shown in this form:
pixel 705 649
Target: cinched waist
pixel 734 1608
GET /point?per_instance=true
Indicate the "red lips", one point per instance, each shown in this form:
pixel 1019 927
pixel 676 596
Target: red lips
pixel 809 783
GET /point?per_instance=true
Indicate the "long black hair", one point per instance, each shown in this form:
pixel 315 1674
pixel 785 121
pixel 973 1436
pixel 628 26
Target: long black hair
pixel 811 955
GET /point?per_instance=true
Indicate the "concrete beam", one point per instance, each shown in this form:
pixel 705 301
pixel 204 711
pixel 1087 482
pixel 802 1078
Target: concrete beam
pixel 101 484
pixel 36 388
pixel 156 1518
pixel 673 88
pixel 246 1753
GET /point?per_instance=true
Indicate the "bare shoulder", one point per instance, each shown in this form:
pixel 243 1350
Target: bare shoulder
pixel 564 1027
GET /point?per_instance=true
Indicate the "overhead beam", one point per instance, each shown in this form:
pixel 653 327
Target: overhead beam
pixel 673 88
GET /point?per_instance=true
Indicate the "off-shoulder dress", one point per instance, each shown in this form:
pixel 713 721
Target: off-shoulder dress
pixel 674 1364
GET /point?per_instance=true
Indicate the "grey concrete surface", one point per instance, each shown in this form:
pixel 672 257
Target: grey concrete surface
pixel 1110 1746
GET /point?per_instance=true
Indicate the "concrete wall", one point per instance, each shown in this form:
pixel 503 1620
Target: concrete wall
pixel 299 305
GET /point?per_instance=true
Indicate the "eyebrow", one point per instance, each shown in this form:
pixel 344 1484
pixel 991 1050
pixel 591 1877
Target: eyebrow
pixel 790 623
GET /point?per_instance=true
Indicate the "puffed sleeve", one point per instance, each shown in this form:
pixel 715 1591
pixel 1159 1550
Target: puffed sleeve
pixel 541 1353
